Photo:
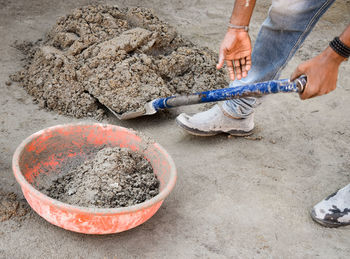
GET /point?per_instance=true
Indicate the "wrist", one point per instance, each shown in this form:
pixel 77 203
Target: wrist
pixel 238 27
pixel 237 20
pixel 237 30
pixel 239 23
pixel 333 56
pixel 345 40
pixel 340 48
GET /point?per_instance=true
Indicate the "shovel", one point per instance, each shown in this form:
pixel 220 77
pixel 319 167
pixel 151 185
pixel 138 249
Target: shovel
pixel 249 90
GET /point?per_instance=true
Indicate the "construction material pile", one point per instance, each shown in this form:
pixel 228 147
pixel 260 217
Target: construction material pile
pixel 101 56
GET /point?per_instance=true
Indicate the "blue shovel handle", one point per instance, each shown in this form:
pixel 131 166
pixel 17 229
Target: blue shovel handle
pixel 250 90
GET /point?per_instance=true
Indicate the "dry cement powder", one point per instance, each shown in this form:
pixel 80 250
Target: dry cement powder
pixel 115 177
pixel 121 58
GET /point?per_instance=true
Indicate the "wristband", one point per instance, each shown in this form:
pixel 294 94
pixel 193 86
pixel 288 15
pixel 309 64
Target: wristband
pixel 232 26
pixel 338 46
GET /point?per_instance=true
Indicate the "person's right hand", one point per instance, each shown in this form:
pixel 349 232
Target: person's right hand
pixel 321 72
pixel 236 50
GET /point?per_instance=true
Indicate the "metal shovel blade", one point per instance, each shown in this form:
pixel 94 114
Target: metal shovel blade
pixel 148 110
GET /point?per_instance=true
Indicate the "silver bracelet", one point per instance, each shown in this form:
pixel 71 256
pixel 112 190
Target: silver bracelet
pixel 230 25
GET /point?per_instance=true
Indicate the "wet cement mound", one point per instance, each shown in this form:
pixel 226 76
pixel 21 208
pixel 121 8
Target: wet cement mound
pixel 121 58
pixel 115 177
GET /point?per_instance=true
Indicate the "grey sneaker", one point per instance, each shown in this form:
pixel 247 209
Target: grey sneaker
pixel 333 211
pixel 215 121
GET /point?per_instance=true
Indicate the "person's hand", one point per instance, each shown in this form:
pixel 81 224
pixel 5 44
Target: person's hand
pixel 236 50
pixel 321 72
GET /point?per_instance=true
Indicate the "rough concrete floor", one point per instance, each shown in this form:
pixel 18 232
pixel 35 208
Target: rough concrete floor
pixel 235 197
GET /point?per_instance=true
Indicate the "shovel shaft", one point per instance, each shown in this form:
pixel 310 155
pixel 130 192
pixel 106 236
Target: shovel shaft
pixel 251 90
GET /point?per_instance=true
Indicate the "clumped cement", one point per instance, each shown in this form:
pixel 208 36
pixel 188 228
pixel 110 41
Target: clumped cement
pixel 11 206
pixel 115 177
pixel 120 58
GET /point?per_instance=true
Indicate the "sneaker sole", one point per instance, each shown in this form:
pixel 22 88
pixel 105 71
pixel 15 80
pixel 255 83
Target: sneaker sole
pixel 326 223
pixel 196 132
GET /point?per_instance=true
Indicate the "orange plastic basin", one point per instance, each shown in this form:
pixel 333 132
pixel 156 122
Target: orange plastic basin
pixel 48 149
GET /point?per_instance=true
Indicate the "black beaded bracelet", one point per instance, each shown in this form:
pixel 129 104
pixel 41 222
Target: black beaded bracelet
pixel 338 46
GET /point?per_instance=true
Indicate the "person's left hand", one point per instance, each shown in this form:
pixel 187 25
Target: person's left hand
pixel 321 72
pixel 236 51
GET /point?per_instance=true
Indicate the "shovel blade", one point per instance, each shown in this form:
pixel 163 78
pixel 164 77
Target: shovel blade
pixel 148 110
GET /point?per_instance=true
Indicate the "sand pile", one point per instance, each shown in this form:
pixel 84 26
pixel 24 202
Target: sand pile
pixel 121 58
pixel 115 177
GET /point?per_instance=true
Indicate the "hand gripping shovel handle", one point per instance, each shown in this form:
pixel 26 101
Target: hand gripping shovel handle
pixel 250 90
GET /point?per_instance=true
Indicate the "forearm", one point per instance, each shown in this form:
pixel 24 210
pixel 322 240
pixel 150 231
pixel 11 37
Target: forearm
pixel 242 12
pixel 345 36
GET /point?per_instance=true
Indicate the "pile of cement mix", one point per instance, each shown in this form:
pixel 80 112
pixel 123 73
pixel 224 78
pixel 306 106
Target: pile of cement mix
pixel 11 207
pixel 115 177
pixel 120 58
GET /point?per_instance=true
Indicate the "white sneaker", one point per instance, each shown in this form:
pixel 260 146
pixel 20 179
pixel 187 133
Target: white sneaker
pixel 333 211
pixel 215 121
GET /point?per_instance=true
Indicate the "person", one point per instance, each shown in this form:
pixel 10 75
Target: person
pixel 288 24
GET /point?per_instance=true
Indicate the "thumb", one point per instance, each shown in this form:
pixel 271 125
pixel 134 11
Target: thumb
pixel 221 58
pixel 300 70
pixel 297 72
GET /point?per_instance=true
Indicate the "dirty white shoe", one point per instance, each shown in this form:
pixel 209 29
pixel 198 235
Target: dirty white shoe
pixel 333 211
pixel 214 121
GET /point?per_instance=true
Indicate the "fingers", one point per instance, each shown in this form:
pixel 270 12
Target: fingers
pixel 305 95
pixel 238 69
pixel 230 69
pixel 243 67
pixel 248 63
pixel 309 92
pixel 312 89
pixel 221 58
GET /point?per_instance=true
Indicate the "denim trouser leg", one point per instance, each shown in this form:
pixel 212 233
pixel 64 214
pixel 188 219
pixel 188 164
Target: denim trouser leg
pixel 286 27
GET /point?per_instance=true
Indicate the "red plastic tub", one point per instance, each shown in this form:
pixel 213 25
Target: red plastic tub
pixel 46 150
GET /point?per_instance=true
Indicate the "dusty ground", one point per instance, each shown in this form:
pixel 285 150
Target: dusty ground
pixel 234 197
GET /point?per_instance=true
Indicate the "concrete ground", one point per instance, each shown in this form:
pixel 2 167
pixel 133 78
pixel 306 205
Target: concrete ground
pixel 235 197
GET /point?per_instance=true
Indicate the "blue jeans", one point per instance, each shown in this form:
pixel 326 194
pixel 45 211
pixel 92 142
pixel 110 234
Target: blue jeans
pixel 285 29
